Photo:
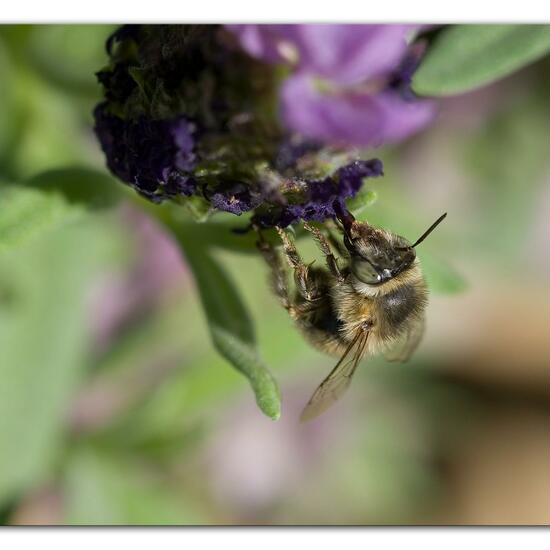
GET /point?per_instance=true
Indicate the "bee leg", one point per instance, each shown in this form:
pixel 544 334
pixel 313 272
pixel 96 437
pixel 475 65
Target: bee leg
pixel 332 262
pixel 305 284
pixel 278 275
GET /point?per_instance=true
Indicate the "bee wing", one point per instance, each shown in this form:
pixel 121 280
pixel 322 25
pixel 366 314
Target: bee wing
pixel 338 381
pixel 406 344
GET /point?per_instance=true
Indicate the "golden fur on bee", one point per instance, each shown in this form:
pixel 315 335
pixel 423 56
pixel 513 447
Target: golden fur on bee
pixel 374 303
pixel 357 305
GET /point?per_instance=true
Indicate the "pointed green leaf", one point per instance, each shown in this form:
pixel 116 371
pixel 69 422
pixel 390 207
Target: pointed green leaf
pixel 230 326
pixel 465 57
pixel 361 201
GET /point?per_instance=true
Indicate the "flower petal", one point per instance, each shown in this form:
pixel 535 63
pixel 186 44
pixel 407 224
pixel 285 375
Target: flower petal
pixel 261 41
pixel 350 118
pixel 345 54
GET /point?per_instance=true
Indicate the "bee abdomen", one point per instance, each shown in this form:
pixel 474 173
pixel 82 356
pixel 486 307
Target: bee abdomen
pixel 399 306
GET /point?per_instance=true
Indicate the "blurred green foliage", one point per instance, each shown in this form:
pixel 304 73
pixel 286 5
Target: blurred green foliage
pixel 106 489
pixel 465 57
pixel 159 391
pixel 43 343
pixel 230 325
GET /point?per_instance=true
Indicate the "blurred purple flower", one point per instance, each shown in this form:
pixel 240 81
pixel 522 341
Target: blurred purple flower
pixel 155 157
pixel 350 83
pixel 121 297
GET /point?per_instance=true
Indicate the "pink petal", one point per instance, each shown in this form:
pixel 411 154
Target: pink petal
pixel 344 54
pixel 348 54
pixel 348 118
pixel 261 41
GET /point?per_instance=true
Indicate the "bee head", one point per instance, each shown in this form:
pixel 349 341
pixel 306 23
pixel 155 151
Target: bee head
pixel 378 255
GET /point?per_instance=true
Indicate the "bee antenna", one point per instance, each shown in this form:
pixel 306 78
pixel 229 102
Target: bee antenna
pixel 430 229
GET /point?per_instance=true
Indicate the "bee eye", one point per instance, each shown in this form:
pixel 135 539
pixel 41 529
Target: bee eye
pixel 365 272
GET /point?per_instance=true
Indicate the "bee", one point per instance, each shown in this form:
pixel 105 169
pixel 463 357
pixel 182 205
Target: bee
pixel 374 302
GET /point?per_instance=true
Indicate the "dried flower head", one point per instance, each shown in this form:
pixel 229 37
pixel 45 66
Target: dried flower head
pixel 187 112
pixel 155 157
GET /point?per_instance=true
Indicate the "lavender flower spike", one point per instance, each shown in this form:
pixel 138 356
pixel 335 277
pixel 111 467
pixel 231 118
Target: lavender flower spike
pixel 187 115
pixel 155 157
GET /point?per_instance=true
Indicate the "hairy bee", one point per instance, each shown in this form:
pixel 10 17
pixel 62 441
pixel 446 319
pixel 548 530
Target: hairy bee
pixel 374 303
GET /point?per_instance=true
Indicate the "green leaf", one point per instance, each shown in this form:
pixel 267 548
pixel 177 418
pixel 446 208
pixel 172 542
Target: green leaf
pixel 9 109
pixel 230 326
pixel 222 235
pixel 198 208
pixel 27 213
pixel 54 130
pixel 82 186
pixel 43 345
pixel 103 488
pixel 362 201
pixel 465 57
pixel 441 277
pixel 70 55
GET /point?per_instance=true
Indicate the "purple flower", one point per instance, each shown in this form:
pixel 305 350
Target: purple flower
pixel 155 157
pixel 235 198
pixel 188 114
pixel 342 89
pixel 319 199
